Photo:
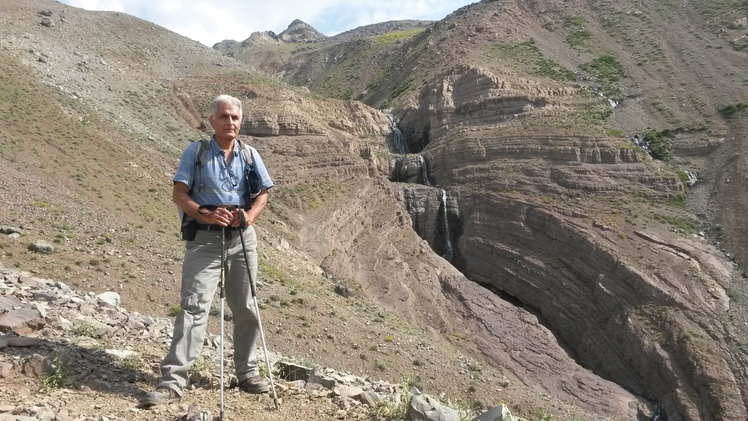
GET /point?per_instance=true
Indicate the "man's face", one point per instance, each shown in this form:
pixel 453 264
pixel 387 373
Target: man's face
pixel 226 122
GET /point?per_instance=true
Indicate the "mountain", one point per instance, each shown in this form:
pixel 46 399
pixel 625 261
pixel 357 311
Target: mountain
pixel 299 31
pixel 548 214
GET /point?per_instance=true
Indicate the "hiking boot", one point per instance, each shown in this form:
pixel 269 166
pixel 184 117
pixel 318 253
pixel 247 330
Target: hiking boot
pixel 254 384
pixel 161 396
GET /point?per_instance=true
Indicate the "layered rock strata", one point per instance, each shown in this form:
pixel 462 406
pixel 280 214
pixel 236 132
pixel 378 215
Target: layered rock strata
pixel 555 224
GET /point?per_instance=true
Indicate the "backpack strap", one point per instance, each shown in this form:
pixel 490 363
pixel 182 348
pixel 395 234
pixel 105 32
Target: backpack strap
pixel 250 174
pixel 202 157
pixel 246 152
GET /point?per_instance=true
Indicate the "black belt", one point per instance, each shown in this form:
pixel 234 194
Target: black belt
pixel 209 227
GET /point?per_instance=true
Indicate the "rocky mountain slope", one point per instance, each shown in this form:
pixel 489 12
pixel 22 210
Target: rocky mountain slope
pixel 500 244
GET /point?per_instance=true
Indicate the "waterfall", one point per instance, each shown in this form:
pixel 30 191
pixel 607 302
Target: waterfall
pixel 424 170
pixel 640 141
pixel 447 236
pixel 613 103
pixel 691 178
pixel 397 136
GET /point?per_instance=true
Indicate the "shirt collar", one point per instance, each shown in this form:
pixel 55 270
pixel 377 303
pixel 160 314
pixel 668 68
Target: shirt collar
pixel 217 149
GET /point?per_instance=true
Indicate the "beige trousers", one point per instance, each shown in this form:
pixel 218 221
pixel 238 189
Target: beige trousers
pixel 201 272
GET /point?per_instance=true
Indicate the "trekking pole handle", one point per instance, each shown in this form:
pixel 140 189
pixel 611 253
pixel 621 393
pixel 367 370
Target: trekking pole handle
pixel 242 219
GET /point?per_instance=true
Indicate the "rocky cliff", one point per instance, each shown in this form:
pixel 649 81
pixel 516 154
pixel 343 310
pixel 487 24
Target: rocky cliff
pixel 548 220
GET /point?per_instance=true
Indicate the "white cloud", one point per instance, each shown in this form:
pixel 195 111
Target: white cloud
pixel 210 22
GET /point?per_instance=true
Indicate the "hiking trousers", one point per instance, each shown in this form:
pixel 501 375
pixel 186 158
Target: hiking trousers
pixel 201 273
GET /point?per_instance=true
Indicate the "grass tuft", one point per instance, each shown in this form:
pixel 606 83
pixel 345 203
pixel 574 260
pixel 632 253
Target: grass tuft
pixel 732 110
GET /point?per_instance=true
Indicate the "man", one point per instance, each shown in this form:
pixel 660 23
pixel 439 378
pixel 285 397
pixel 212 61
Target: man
pixel 199 193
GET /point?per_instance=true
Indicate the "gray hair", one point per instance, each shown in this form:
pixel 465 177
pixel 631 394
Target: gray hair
pixel 224 99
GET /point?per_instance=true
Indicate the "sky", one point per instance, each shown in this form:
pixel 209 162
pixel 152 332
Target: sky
pixel 210 22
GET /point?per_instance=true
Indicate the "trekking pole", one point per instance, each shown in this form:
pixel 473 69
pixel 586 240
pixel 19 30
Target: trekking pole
pixel 223 299
pixel 242 225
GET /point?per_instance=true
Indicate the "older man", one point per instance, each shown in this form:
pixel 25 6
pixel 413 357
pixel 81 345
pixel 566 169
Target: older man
pixel 200 191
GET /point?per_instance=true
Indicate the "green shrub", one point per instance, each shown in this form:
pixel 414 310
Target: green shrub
pixel 578 38
pixel 272 274
pixel 549 68
pixel 57 379
pixel 348 94
pixel 574 22
pixel 607 71
pixel 686 225
pixel 594 115
pixel 412 380
pixel 131 362
pixel 683 176
pixel 403 87
pixel 394 407
pixel 202 364
pixel 730 110
pixel 659 144
pixel 84 330
pixel 578 34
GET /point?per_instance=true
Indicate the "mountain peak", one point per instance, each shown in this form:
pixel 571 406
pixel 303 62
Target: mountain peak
pixel 300 31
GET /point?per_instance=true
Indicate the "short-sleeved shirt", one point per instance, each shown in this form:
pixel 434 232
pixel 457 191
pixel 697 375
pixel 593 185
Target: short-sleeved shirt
pixel 219 183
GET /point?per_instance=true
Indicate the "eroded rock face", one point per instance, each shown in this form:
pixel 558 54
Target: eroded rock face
pixel 368 236
pixel 301 118
pixel 410 168
pixel 552 222
pixel 564 226
pixel 568 265
pixel 278 125
pixel 436 217
pixel 474 96
pixel 597 298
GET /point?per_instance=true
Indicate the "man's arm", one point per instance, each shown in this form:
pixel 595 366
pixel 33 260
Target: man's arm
pixel 258 204
pixel 250 216
pixel 180 195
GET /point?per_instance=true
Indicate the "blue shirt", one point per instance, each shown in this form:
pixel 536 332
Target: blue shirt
pixel 220 184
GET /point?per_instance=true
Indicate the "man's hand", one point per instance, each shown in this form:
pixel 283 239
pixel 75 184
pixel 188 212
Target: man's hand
pixel 220 216
pixel 225 216
pixel 239 218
